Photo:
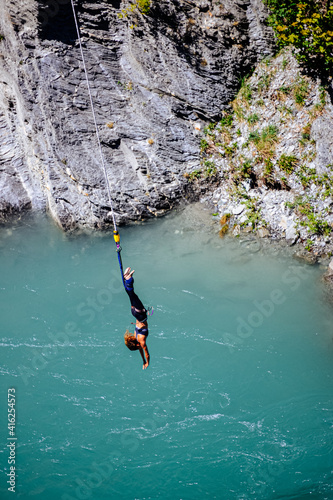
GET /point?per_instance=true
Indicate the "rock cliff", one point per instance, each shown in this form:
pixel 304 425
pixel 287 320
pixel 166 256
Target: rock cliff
pixel 273 152
pixel 155 78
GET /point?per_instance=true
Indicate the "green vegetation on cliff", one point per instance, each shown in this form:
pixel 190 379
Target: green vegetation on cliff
pixel 306 25
pixel 138 5
pixel 264 151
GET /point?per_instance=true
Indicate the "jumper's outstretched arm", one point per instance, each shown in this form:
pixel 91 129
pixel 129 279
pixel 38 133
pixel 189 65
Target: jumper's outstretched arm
pixel 142 355
pixel 144 350
pixel 146 364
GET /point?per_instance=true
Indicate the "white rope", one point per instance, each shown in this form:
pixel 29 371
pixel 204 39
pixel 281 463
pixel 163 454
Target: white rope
pixel 94 117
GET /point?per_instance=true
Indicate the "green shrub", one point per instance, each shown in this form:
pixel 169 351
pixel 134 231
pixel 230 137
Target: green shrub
pixel 316 225
pixel 284 63
pixel 297 201
pixel 254 118
pixel 142 5
pixel 301 91
pixel 287 163
pixel 268 171
pixel 203 145
pixel 246 170
pixel 210 168
pixel 209 129
pixel 266 140
pixel 196 174
pixel 309 245
pixel 312 221
pixel 285 89
pixel 226 120
pixel 254 137
pixel 269 133
pixel 230 150
pixel 253 214
pixel 306 25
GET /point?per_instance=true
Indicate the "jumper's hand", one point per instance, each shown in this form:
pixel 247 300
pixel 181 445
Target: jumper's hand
pixel 128 273
pixel 145 365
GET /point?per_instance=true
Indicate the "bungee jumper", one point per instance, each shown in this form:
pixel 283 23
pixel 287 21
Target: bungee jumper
pixel 137 341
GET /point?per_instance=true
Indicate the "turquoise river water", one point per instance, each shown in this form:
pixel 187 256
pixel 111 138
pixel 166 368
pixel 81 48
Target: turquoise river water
pixel 237 401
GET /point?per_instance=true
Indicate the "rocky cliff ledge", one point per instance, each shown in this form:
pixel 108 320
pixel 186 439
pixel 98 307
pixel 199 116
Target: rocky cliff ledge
pixel 154 77
pixel 273 153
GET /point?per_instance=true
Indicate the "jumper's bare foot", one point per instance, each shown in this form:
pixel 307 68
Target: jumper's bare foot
pixel 128 273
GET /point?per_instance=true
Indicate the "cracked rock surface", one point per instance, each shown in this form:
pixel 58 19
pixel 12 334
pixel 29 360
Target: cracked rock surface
pixel 155 80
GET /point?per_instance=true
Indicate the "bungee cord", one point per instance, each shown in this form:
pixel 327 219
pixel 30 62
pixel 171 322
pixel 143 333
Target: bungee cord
pixel 115 232
pixel 94 117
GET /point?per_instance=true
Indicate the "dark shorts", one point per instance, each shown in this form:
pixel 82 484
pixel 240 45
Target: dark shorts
pixel 141 331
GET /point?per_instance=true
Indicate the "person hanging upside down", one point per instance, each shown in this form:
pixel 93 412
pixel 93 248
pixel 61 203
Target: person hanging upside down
pixel 137 341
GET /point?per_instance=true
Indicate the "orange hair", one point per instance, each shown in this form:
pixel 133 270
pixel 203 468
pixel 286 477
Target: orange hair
pixel 131 342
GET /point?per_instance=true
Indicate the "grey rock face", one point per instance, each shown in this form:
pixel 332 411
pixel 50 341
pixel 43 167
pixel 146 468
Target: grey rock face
pixel 154 80
pixel 322 132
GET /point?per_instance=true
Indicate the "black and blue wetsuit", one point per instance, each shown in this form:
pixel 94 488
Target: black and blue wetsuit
pixel 137 308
